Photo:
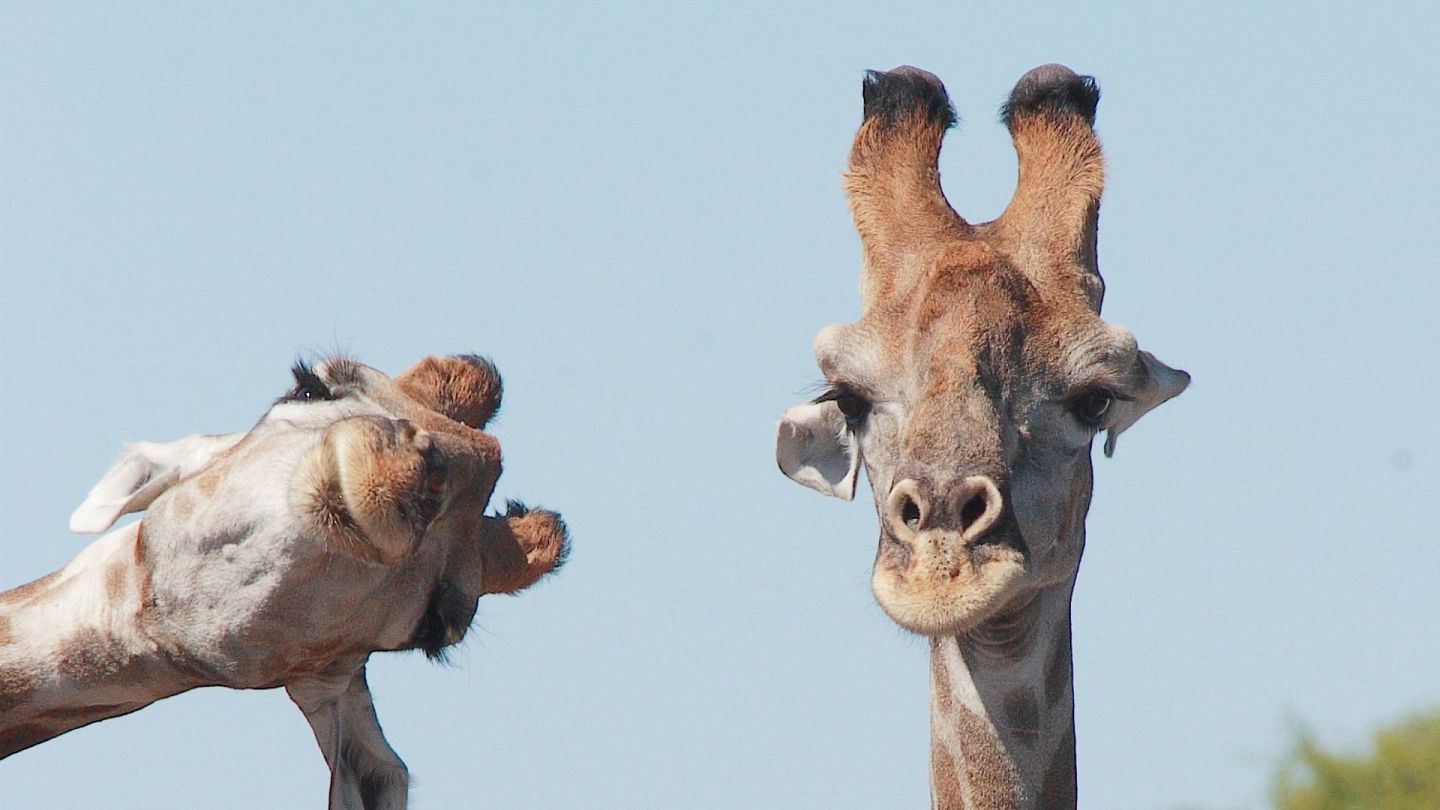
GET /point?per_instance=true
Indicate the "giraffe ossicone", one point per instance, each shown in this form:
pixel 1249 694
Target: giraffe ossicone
pixel 349 520
pixel 970 391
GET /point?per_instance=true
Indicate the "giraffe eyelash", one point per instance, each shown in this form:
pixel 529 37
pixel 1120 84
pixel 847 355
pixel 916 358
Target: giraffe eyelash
pixel 852 404
pixel 308 385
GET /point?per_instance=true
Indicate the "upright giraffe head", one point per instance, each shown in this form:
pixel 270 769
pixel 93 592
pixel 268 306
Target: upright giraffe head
pixel 980 371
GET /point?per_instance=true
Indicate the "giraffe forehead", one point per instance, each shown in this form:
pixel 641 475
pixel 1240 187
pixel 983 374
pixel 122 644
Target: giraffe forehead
pixel 1004 333
pixel 965 326
pixel 973 322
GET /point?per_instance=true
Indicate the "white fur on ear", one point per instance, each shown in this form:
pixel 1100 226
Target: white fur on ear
pixel 1158 382
pixel 146 470
pixel 814 447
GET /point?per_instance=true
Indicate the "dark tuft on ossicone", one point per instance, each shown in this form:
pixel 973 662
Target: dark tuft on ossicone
pixel 892 96
pixel 1053 91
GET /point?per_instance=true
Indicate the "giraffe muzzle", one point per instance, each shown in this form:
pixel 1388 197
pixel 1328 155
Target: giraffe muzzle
pixel 384 482
pixel 970 510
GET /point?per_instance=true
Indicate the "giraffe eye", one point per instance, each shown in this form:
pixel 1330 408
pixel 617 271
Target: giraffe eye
pixel 1091 407
pixel 308 386
pixel 853 406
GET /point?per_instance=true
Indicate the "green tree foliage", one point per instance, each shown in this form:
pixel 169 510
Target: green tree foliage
pixel 1402 772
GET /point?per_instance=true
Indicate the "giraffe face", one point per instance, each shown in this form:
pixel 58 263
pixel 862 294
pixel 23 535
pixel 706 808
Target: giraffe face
pixel 350 485
pixel 973 386
pixel 974 430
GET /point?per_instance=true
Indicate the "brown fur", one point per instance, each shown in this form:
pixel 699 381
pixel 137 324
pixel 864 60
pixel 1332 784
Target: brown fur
pixel 116 579
pixel 23 736
pixel 517 550
pixel 1022 715
pixel 208 483
pixel 89 656
pixel 1057 672
pixel 144 593
pixel 463 390
pixel 1059 788
pixel 994 783
pixel 944 776
pixel 181 506
pixel 15 686
pixel 30 590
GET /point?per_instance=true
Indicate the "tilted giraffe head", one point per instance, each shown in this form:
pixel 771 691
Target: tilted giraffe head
pixel 350 518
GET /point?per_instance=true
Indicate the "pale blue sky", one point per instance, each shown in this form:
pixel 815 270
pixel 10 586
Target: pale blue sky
pixel 636 211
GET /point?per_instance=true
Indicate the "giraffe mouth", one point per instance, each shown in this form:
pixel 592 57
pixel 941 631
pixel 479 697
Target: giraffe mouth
pixel 936 585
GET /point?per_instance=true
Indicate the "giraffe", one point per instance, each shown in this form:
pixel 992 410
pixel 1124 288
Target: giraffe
pixel 349 520
pixel 972 388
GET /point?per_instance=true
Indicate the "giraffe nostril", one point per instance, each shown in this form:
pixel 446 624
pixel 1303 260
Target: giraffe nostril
pixel 973 510
pixel 910 514
pixel 905 510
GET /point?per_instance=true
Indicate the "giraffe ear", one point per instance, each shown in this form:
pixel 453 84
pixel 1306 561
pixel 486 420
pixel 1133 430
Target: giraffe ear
pixel 1155 383
pixel 814 447
pixel 142 473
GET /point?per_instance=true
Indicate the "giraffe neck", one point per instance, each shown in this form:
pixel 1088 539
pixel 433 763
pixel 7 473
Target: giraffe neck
pixel 73 648
pixel 1002 711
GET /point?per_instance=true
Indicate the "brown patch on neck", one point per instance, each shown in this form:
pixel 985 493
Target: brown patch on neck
pixel 944 777
pixel 1022 717
pixel 181 505
pixel 994 782
pixel 208 483
pixel 16 684
pixel 23 736
pixel 30 590
pixel 1072 519
pixel 88 657
pixel 945 771
pixel 115 582
pixel 7 636
pixel 1059 789
pixel 1057 670
pixel 144 592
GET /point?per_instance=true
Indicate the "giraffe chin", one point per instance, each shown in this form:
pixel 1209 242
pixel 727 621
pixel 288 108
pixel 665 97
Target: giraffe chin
pixel 936 592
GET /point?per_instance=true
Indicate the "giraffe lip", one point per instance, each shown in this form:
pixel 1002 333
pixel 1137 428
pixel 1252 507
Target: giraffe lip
pixel 927 548
pixel 1003 543
pixel 987 550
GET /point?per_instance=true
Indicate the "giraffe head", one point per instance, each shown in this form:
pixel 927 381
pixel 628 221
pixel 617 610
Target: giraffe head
pixel 980 371
pixel 350 518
